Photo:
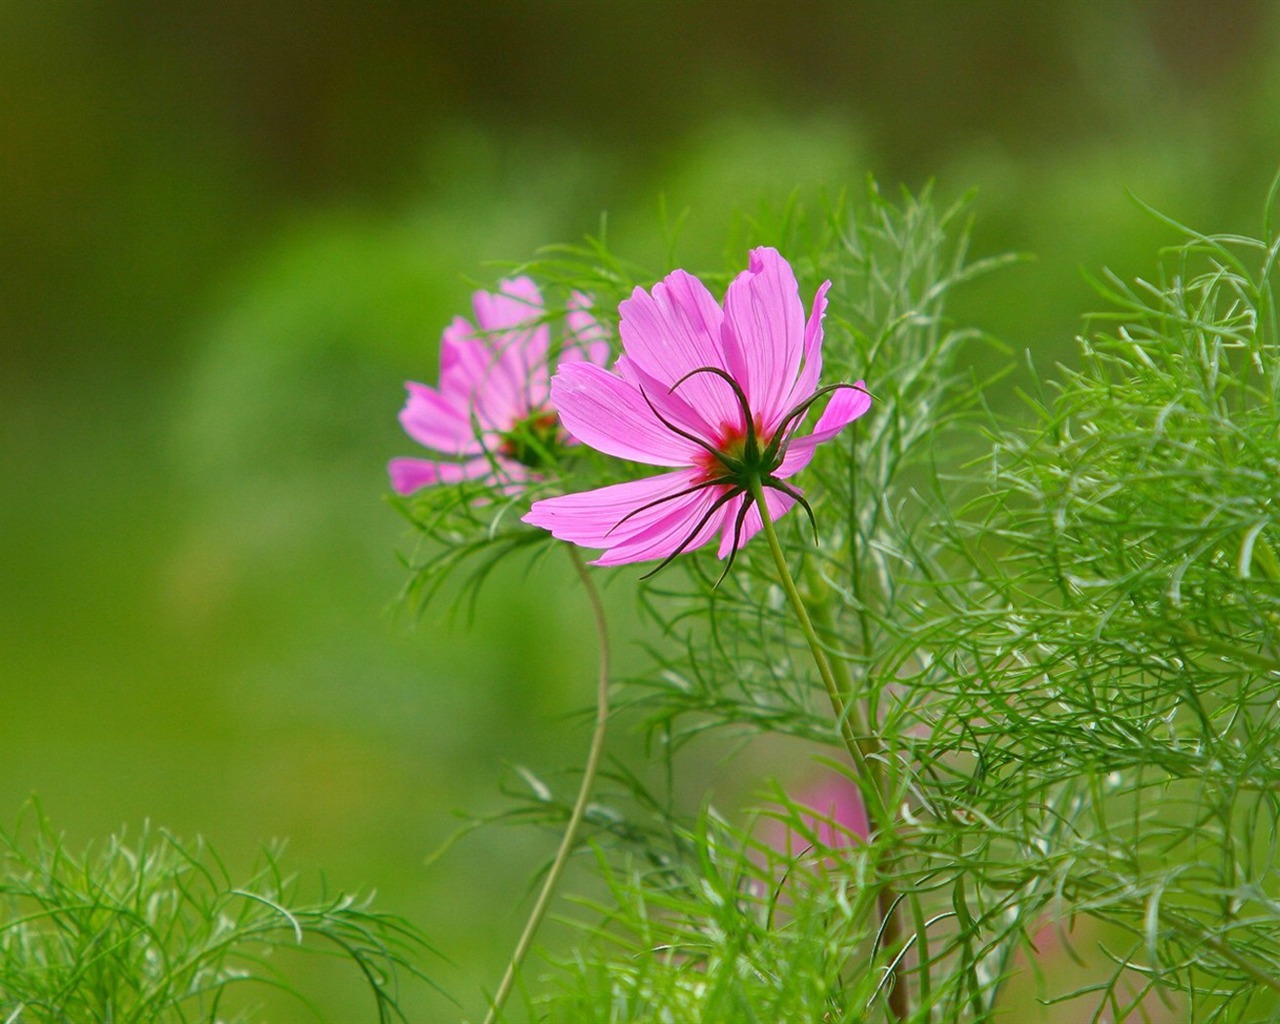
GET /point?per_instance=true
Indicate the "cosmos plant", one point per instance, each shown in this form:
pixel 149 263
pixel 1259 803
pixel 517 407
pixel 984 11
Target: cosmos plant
pixel 1038 655
pixel 717 391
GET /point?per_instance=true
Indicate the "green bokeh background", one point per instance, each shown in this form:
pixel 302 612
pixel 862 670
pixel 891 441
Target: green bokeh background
pixel 230 231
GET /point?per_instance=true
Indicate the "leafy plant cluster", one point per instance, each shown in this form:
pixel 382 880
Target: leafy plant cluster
pixel 1061 631
pixel 1110 666
pixel 154 929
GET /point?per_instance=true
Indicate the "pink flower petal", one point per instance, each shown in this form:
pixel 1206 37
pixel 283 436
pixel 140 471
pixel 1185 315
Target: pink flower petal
pixel 588 517
pixel 435 422
pixel 587 338
pixel 519 342
pixel 516 303
pixel 844 406
pixel 687 526
pixel 831 812
pixel 474 377
pixel 764 333
pixel 499 367
pixel 409 475
pixel 636 521
pixel 675 330
pixel 840 803
pixel 610 414
pixel 807 382
pixel 520 366
pixel 671 406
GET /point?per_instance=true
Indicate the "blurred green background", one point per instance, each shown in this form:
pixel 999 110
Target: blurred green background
pixel 230 231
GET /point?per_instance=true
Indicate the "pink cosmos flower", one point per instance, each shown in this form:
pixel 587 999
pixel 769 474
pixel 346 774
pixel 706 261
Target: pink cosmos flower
pixel 715 392
pixel 832 815
pixel 491 417
pixel 805 840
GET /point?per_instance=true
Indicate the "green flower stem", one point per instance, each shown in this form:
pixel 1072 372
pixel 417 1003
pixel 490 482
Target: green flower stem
pixel 868 741
pixel 570 837
pixel 853 729
pixel 862 744
pixel 820 615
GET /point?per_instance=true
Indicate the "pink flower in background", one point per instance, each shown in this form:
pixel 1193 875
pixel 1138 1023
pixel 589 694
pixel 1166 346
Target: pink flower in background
pixel 715 392
pixel 832 814
pixel 491 417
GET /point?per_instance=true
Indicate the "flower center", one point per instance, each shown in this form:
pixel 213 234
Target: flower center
pixel 534 441
pixel 739 452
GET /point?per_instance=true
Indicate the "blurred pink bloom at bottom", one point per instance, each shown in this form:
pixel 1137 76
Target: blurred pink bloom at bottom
pixel 832 815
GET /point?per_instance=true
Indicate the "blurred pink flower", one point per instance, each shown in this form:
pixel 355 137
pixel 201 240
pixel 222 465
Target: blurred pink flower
pixel 715 392
pixel 831 815
pixel 491 416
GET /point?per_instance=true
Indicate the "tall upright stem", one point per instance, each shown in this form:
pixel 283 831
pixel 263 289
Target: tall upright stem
pixel 589 770
pixel 858 738
pixel 854 731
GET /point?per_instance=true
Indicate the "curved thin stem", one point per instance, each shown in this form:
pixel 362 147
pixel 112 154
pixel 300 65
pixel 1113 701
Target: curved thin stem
pixel 858 739
pixel 570 837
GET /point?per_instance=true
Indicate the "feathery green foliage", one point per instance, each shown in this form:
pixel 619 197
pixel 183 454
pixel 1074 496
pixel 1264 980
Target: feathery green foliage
pixel 1054 634
pixel 153 929
pixel 1104 656
pixel 730 932
pixel 1067 646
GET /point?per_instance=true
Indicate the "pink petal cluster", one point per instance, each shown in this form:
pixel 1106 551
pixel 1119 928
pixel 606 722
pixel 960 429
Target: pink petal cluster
pixel 494 382
pixel 671 401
